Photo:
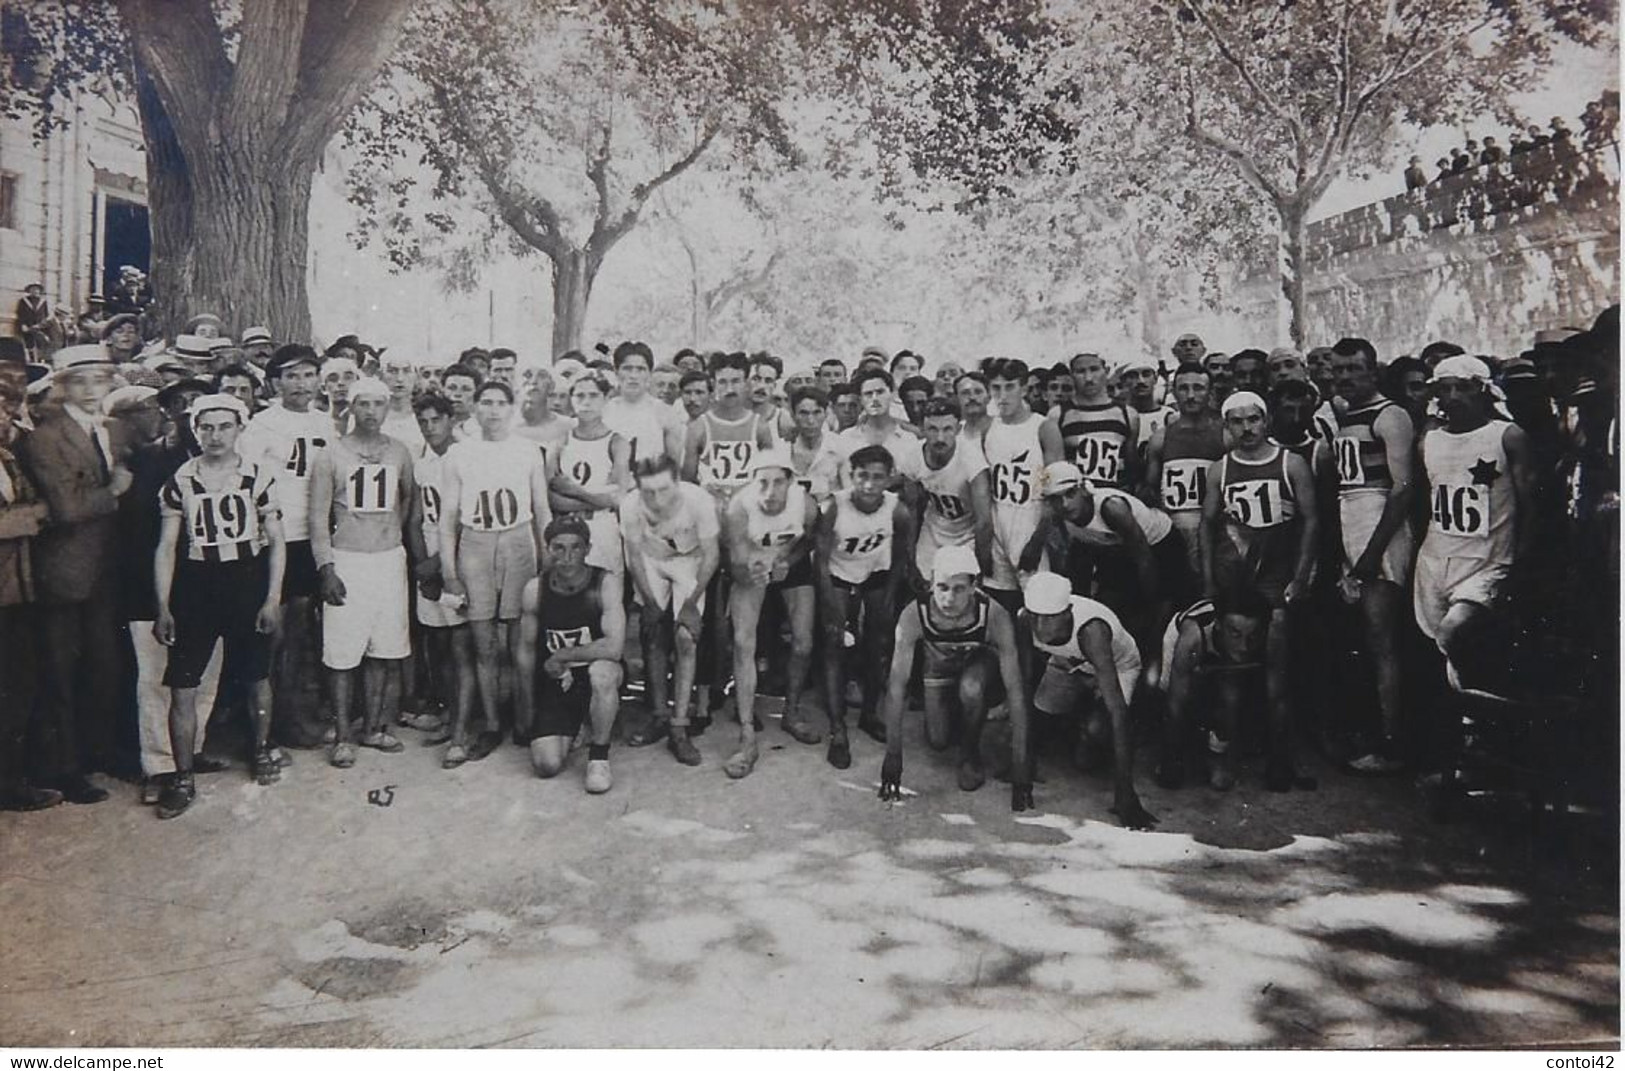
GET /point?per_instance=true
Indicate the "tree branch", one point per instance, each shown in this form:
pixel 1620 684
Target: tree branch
pixel 1243 160
pixel 343 48
pixel 720 295
pixel 604 237
pixel 1235 60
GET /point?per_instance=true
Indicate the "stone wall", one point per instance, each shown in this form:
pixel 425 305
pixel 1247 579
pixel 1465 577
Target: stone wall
pixel 1484 259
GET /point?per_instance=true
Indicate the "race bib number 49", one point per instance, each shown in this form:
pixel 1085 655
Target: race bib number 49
pixel 226 517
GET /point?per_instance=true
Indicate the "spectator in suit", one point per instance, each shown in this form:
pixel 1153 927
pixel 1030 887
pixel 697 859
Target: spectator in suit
pixel 21 515
pixel 1443 164
pixel 1562 137
pixel 1415 177
pixel 1492 154
pixel 36 324
pixel 75 457
pixel 1538 137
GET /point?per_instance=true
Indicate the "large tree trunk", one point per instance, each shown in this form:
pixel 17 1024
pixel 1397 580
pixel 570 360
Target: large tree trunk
pixel 573 275
pixel 1295 306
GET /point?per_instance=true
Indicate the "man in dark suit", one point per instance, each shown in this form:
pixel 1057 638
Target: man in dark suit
pixel 75 457
pixel 35 321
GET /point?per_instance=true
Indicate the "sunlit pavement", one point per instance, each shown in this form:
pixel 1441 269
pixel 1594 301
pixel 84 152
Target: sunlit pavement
pixel 485 907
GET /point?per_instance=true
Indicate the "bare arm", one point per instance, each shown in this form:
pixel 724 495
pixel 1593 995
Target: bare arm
pixel 1151 490
pixel 270 614
pixel 1516 443
pixel 1393 426
pixel 1095 639
pixel 907 577
pixel 745 566
pixel 1001 632
pixel 612 644
pixel 1119 517
pixel 163 571
pixel 1050 443
pixel 451 516
pixel 1302 483
pixel 905 641
pixel 524 655
pixel 691 450
pixel 1207 536
pixel 981 508
pixel 321 509
pixel 541 511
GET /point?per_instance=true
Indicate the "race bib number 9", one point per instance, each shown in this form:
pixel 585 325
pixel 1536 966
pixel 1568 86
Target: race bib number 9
pixel 373 489
pixel 226 517
pixel 1012 483
pixel 729 462
pixel 1184 483
pixel 1350 473
pixel 1461 509
pixel 1100 460
pixel 431 504
pixel 560 638
pixel 1254 503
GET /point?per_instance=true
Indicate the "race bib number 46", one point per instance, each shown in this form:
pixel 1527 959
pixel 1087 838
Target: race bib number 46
pixel 1184 483
pixel 1461 509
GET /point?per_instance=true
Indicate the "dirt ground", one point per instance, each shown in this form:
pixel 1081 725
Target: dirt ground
pixel 484 907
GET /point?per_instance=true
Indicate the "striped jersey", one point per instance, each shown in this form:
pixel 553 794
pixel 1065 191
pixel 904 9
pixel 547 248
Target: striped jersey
pixel 225 525
pixel 1362 460
pixel 1097 441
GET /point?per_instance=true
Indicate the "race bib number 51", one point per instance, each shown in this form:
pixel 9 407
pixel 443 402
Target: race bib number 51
pixel 1254 503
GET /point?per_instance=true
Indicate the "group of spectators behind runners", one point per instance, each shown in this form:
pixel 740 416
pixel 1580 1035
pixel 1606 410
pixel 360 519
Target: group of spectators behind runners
pixel 1599 125
pixel 1211 554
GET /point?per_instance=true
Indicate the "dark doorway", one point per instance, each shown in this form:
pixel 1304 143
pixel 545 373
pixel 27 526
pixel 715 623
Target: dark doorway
pixel 126 240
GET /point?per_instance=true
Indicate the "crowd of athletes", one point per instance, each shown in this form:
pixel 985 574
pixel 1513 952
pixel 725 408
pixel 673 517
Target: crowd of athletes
pixel 215 552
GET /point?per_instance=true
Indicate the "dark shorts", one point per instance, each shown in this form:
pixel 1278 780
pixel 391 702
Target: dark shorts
pixel 940 671
pixel 214 602
pixel 299 578
pixel 799 576
pixel 877 580
pixel 562 711
pixel 1267 570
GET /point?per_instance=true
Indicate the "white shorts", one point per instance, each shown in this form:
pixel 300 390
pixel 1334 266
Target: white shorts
pixel 1061 691
pixel 605 551
pixel 1359 515
pixel 673 580
pixel 432 613
pixel 1012 528
pixel 1443 582
pixel 373 621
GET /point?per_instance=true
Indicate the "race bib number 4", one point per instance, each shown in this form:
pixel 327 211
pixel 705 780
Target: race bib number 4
pixel 729 462
pixel 1461 509
pixel 372 489
pixel 226 517
pixel 1254 503
pixel 1184 483
pixel 1100 460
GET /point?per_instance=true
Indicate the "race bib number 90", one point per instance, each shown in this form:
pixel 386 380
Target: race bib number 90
pixel 1100 460
pixel 729 462
pixel 372 489
pixel 1350 473
pixel 226 517
pixel 1184 483
pixel 1461 509
pixel 1254 503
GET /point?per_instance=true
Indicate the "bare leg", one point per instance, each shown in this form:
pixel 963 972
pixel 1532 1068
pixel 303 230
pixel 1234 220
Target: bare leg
pixel 745 611
pixel 182 727
pixel 487 669
pixel 802 607
pixel 468 684
pixel 606 700
pixel 341 686
pixel 683 678
pixel 879 624
pixel 656 661
pixel 1381 604
pixel 1280 774
pixel 973 687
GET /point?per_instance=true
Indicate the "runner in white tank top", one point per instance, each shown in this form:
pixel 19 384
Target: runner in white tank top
pixel 956 507
pixel 594 474
pixel 1019 445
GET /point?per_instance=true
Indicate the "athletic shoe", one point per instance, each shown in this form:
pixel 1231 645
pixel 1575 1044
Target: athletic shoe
pixel 598 776
pixel 178 795
pixel 683 749
pixel 971 776
pixel 839 754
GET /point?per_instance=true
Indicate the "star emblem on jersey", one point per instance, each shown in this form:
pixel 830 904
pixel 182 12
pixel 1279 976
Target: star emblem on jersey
pixel 1485 472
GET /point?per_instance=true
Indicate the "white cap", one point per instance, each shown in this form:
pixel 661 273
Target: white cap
pixel 567 369
pixel 776 458
pixel 127 398
pixel 205 403
pixel 194 347
pixel 255 335
pixel 1243 399
pixel 157 362
pixel 954 561
pixel 73 358
pixel 368 387
pixel 1061 476
pixel 336 366
pixel 1462 366
pixel 1047 593
pixel 1136 364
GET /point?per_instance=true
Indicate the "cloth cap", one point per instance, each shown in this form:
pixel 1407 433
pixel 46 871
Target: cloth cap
pixel 1462 366
pixel 167 394
pixel 368 387
pixel 1243 399
pixel 1060 476
pixel 1136 364
pixel 1047 593
pixel 208 402
pixel 221 342
pixel 72 358
pixel 255 335
pixel 1285 351
pixel 117 322
pixel 1189 336
pixel 954 561
pixel 568 369
pixel 158 362
pixel 776 458
pixel 127 398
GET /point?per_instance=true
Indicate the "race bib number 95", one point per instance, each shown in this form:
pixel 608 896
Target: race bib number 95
pixel 1100 459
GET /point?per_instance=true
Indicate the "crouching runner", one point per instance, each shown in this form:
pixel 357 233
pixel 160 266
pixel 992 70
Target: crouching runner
pixel 573 611
pixel 969 646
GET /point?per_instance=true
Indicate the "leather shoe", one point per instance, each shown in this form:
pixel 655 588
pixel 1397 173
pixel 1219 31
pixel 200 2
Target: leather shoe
pixel 80 790
pixel 28 798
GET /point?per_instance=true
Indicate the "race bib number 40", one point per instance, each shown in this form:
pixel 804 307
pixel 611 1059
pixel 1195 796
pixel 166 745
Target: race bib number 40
pixel 226 517
pixel 1461 509
pixel 1184 483
pixel 1254 503
pixel 495 509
